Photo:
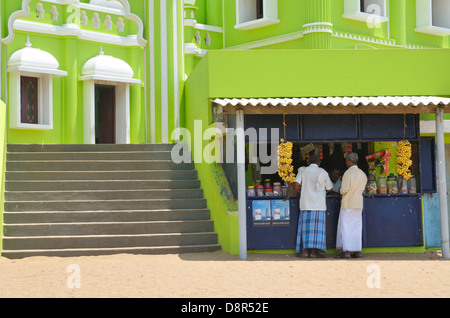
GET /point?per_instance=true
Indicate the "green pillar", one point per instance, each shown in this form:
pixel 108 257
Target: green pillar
pixel 137 134
pixel 318 29
pixel 70 105
pixel 397 21
pixel 214 12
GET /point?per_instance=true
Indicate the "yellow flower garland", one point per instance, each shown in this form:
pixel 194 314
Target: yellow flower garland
pixel 404 159
pixel 285 169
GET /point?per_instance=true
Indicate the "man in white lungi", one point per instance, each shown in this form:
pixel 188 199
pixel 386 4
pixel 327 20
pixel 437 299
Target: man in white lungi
pixel 349 229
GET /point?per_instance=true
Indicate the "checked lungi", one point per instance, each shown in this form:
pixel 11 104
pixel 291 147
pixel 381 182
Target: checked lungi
pixel 311 231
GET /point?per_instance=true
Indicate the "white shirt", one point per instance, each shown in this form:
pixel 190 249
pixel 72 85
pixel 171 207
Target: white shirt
pixel 353 184
pixel 314 181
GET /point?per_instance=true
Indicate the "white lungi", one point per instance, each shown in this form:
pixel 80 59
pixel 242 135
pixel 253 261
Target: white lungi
pixel 349 230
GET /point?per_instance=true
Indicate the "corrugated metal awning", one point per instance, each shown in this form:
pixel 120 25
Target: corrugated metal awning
pixel 390 104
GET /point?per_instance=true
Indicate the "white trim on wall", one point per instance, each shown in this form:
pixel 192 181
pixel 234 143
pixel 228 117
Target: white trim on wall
pixel 122 109
pixel 246 18
pixel 164 75
pixel 176 66
pixel 75 30
pixel 25 12
pixel 424 19
pixel 151 23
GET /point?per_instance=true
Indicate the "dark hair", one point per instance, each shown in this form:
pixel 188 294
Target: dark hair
pixel 314 159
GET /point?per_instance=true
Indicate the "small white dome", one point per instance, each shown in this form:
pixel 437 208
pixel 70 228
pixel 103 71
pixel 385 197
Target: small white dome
pixel 32 58
pixel 105 65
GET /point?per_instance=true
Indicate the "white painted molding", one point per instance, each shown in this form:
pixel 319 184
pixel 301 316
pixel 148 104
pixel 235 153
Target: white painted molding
pixel 74 30
pixel 164 72
pixel 434 30
pixel 25 12
pixel 259 23
pixel 32 62
pixel 191 48
pixel 122 112
pixel 300 34
pixel 269 41
pixel 107 68
pixel 353 11
pixel 318 27
pixel 425 18
pixel 363 38
pixel 365 17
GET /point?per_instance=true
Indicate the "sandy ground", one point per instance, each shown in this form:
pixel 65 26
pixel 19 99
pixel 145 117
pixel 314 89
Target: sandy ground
pixel 214 275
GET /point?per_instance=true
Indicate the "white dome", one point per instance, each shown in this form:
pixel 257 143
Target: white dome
pixel 105 65
pixel 32 58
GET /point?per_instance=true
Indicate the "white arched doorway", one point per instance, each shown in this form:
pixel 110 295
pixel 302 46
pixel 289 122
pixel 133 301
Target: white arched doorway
pixel 106 81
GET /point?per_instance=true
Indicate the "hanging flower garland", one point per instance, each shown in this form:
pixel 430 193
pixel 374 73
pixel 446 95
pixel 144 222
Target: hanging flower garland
pixel 285 169
pixel 404 161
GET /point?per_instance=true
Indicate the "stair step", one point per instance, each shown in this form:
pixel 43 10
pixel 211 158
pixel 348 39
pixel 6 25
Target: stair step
pixel 96 165
pixel 52 185
pixel 91 155
pixel 103 194
pixel 105 205
pixel 107 228
pixel 73 200
pixel 72 252
pixel 103 175
pixel 87 148
pixel 108 241
pixel 106 216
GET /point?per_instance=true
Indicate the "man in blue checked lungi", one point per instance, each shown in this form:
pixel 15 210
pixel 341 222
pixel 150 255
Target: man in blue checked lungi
pixel 313 183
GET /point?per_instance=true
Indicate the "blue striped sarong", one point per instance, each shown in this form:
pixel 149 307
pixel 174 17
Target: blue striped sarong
pixel 311 231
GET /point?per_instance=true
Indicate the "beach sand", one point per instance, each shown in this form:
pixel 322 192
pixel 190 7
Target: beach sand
pixel 220 275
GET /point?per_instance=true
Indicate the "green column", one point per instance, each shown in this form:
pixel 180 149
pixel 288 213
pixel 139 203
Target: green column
pixel 70 105
pixel 214 12
pixel 137 134
pixel 318 29
pixel 397 21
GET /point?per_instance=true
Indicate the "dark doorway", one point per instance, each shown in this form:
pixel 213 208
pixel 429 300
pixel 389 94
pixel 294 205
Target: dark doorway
pixel 105 114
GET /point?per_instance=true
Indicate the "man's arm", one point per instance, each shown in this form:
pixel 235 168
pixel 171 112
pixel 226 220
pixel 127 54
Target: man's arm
pixel 345 185
pixel 296 188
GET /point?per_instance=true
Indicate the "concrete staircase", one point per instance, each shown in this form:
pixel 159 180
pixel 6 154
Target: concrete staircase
pixel 71 200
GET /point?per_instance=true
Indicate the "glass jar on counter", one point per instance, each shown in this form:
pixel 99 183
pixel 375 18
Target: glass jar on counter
pixel 260 191
pixel 381 185
pixel 268 191
pixel 412 185
pixel 371 186
pixel 392 187
pixel 267 183
pixel 277 189
pixel 284 190
pixel 251 191
pixel 402 185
